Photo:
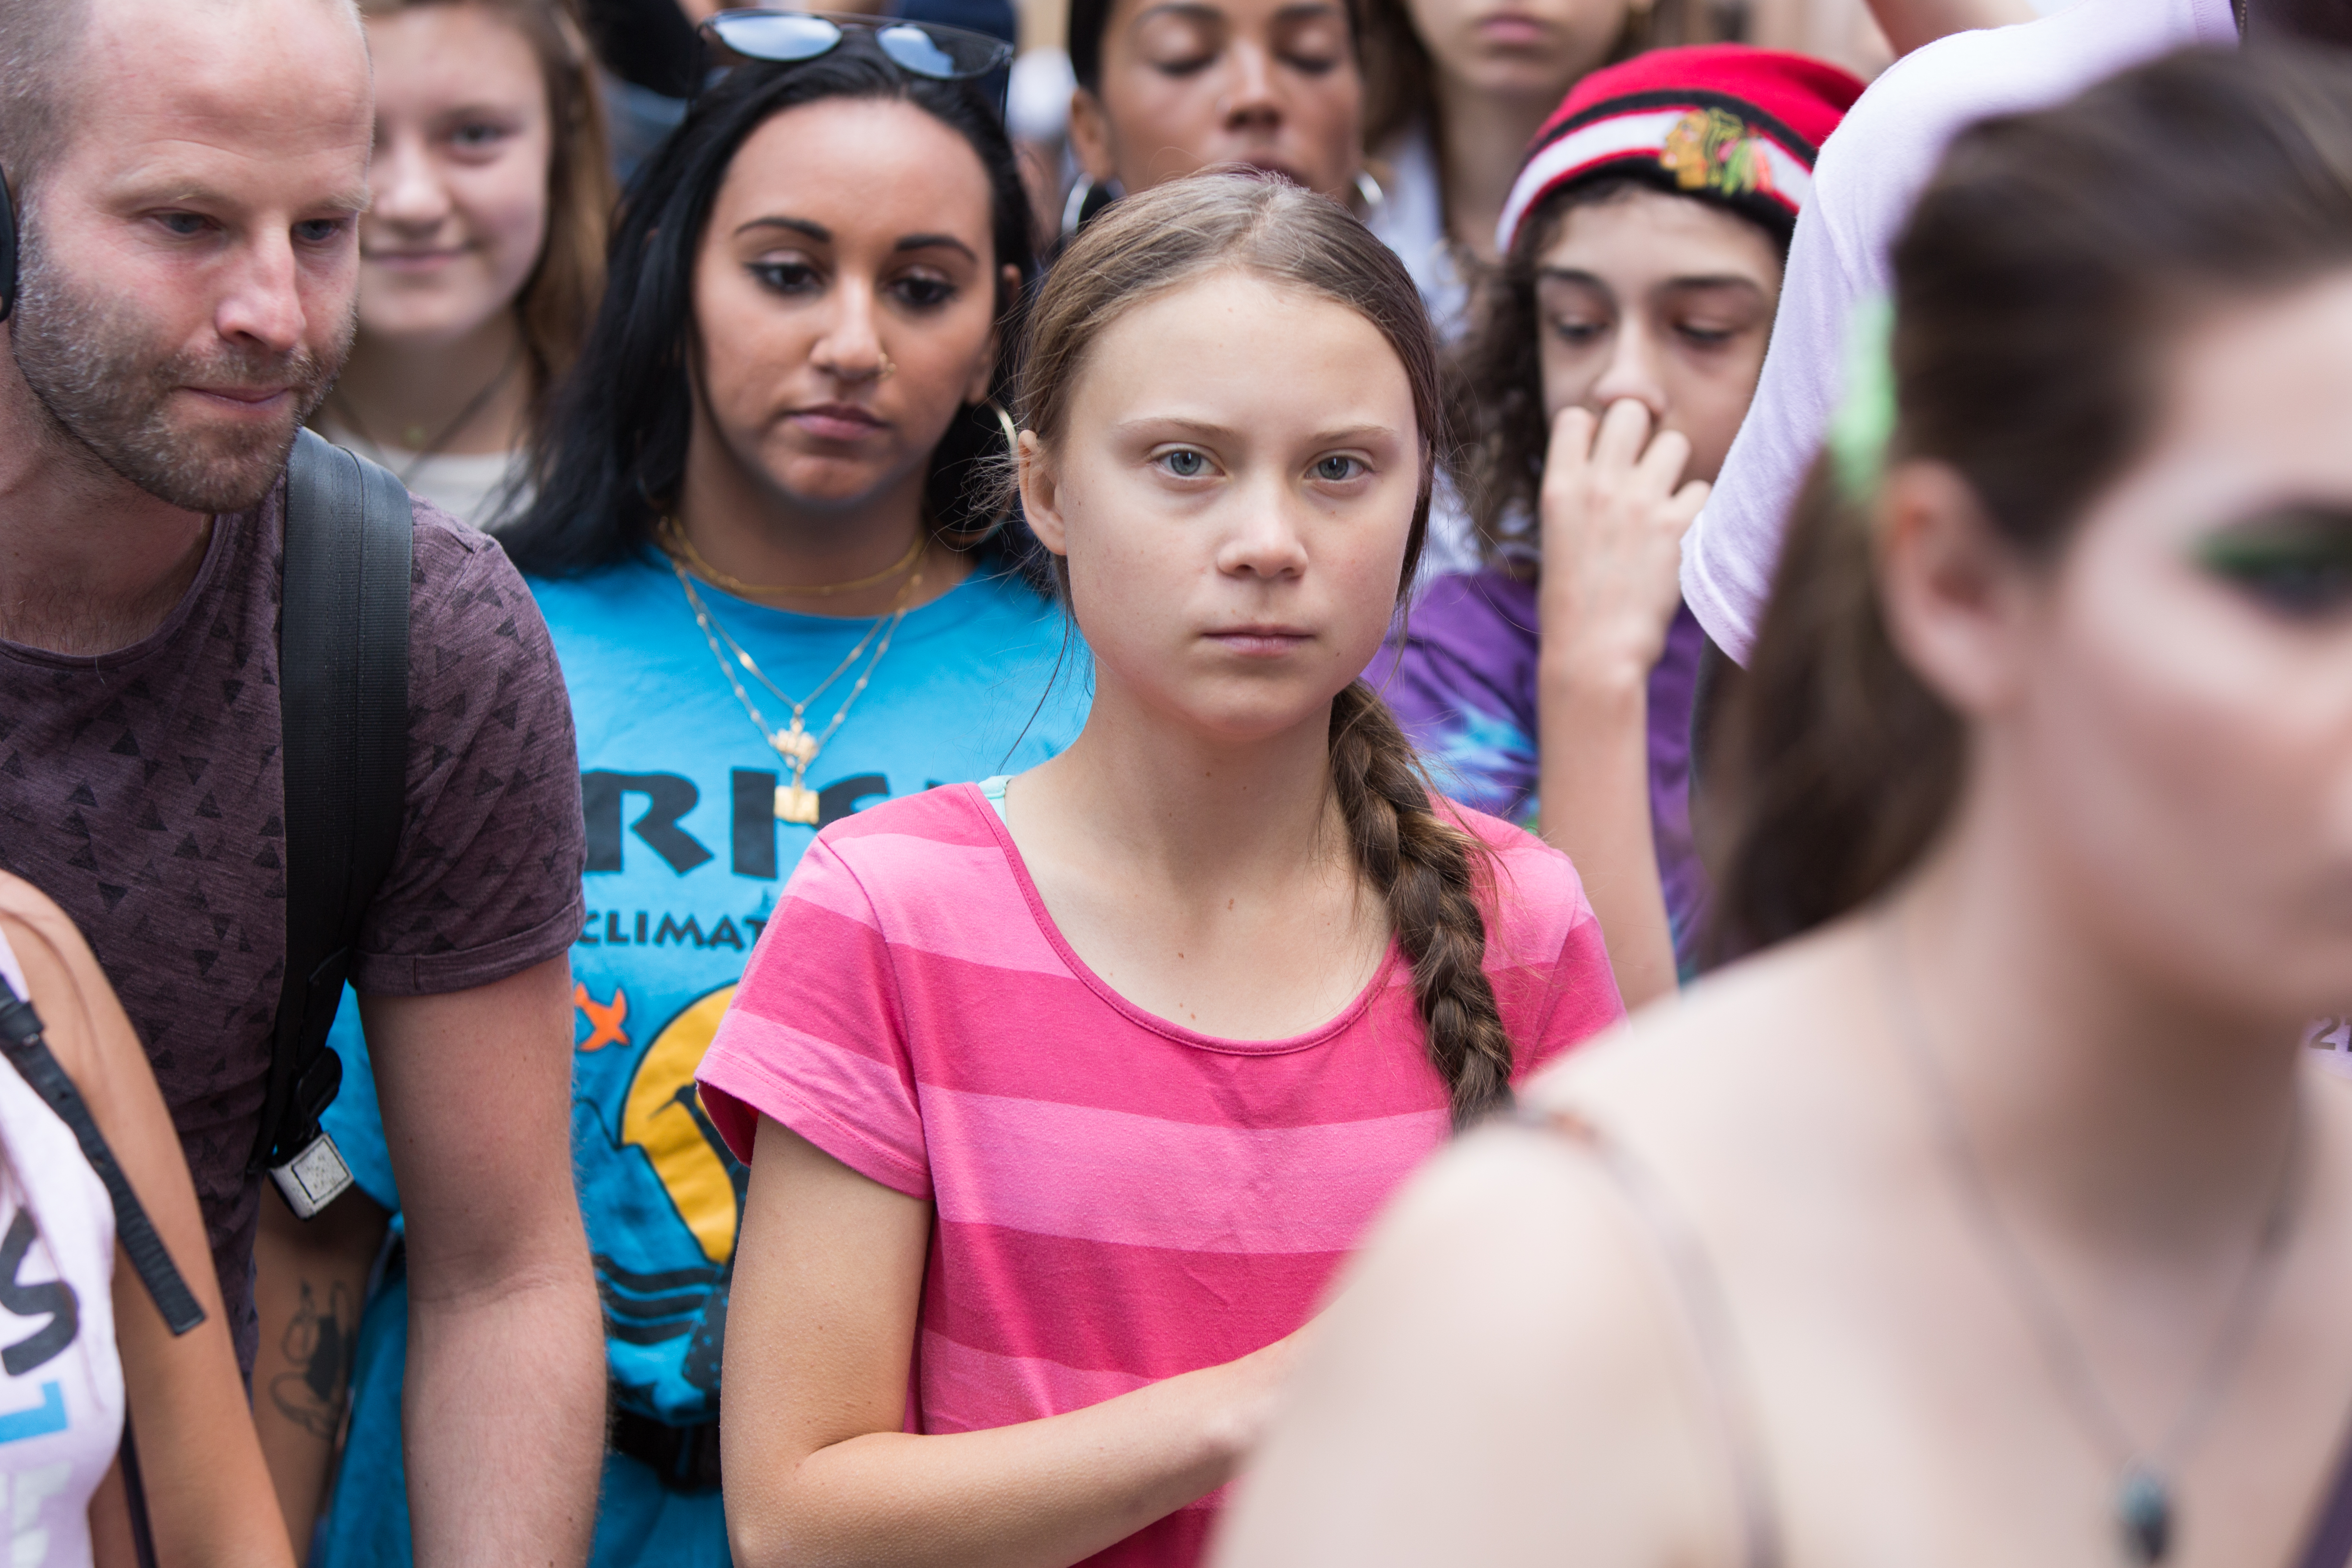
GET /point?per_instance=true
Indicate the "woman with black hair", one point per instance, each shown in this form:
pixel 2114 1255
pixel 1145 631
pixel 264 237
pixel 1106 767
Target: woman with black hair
pixel 767 548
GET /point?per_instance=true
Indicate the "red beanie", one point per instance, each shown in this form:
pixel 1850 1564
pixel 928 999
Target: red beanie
pixel 1719 121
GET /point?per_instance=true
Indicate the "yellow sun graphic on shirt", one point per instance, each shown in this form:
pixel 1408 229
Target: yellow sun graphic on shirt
pixel 662 1118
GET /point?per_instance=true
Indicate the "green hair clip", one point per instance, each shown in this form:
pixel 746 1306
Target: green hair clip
pixel 1864 421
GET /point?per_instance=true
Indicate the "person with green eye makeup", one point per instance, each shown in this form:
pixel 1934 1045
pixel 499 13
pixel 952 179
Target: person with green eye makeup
pixel 1553 685
pixel 483 248
pixel 1993 1209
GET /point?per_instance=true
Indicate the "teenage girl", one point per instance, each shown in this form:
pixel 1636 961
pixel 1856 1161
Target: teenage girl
pixel 86 1335
pixel 482 251
pixel 1064 1094
pixel 780 589
pixel 1642 248
pixel 2000 1215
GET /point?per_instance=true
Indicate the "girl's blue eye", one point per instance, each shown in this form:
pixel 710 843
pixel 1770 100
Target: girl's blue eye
pixel 1337 470
pixel 1185 465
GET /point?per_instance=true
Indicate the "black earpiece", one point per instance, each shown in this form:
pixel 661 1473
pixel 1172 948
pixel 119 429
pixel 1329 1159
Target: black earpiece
pixel 7 250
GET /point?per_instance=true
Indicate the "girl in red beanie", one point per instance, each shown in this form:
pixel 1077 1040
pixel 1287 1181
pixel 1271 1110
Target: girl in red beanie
pixel 1643 244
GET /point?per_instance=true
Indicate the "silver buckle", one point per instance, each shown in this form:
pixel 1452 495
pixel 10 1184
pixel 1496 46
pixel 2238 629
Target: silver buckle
pixel 313 1178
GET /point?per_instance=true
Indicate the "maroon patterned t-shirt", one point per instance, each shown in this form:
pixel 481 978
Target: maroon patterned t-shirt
pixel 141 790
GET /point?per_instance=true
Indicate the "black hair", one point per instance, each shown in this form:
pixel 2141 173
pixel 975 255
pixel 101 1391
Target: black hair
pixel 608 457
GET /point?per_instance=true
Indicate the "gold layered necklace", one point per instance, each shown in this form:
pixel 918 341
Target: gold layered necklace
pixel 794 744
pixel 679 548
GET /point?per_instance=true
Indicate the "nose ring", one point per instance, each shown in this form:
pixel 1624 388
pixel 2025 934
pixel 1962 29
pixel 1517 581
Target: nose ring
pixel 887 369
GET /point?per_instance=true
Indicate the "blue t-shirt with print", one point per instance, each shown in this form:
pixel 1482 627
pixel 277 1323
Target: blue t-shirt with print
pixel 685 856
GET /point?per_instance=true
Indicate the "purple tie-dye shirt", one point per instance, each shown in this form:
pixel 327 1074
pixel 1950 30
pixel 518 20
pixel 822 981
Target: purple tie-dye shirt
pixel 1462 679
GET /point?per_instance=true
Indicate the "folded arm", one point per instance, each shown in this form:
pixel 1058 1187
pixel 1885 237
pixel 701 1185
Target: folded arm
pixel 820 1335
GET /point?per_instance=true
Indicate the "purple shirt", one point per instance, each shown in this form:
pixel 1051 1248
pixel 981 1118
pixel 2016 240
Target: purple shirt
pixel 1462 680
pixel 142 790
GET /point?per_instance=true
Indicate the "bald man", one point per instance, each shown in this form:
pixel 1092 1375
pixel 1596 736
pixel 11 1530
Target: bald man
pixel 188 174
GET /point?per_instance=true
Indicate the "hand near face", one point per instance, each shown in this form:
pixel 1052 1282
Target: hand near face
pixel 1614 513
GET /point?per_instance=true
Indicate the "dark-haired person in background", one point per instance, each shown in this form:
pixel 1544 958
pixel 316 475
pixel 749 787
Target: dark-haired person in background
pixel 1643 240
pixel 1868 178
pixel 767 546
pixel 1169 87
pixel 2000 1216
pixel 188 181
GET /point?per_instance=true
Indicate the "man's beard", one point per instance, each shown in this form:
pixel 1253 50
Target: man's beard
pixel 88 358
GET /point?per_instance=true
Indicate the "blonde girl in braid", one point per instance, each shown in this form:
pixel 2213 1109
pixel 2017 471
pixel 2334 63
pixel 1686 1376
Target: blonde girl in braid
pixel 1065 1095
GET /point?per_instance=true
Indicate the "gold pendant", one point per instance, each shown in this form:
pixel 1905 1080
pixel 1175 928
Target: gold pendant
pixel 796 743
pixel 795 804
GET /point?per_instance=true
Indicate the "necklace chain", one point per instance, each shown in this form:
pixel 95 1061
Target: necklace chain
pixel 795 745
pixel 680 549
pixel 466 415
pixel 2143 1501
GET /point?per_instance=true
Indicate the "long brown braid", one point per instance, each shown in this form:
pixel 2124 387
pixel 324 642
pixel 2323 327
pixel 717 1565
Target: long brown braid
pixel 1426 870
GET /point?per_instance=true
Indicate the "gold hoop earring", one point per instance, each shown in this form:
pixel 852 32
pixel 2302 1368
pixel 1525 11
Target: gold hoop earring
pixel 1013 455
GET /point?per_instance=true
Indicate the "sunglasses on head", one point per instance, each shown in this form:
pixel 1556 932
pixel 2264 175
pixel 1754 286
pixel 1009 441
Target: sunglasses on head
pixel 920 49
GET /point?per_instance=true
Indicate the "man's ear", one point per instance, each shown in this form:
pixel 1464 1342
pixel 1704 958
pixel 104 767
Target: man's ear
pixel 1041 495
pixel 1959 600
pixel 1090 137
pixel 983 373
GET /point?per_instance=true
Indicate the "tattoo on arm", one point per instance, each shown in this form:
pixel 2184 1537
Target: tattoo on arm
pixel 318 1347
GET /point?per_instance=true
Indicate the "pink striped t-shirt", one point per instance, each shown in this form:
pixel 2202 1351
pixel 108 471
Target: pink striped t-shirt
pixel 1120 1199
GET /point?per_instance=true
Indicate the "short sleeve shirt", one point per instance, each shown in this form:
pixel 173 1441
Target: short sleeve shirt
pixel 1871 172
pixel 1120 1199
pixel 1460 671
pixel 142 791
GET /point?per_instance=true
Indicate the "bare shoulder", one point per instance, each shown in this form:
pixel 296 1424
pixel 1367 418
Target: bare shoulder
pixel 1502 1380
pixel 85 1026
pixel 1769 1033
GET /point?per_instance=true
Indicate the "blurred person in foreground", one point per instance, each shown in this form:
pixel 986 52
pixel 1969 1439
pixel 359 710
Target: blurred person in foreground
pixel 188 181
pixel 1999 1215
pixel 98 1316
pixel 1867 178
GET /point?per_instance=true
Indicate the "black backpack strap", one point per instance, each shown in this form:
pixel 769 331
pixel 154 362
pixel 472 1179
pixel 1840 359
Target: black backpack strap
pixel 342 671
pixel 29 1054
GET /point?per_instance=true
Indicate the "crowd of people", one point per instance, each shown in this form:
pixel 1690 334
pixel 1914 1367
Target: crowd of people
pixel 992 784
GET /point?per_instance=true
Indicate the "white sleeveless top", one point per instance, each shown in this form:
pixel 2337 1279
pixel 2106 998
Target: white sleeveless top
pixel 60 1374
